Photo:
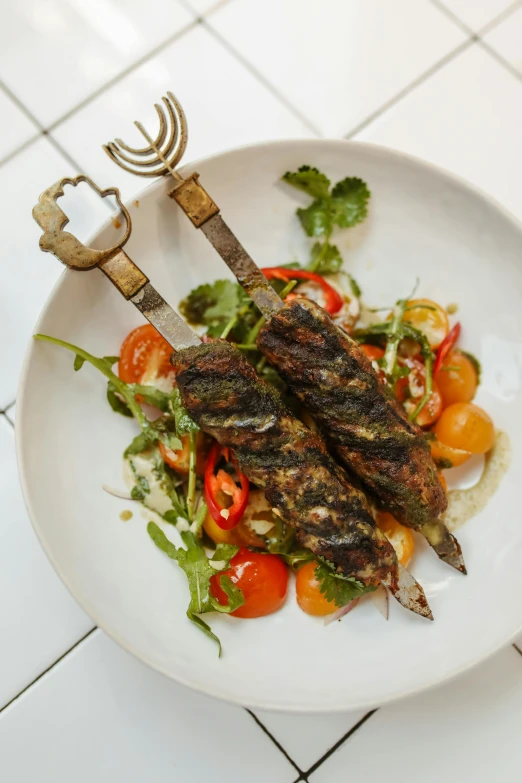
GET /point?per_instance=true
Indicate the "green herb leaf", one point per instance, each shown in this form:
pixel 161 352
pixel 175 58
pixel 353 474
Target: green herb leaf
pixel 349 202
pixel 184 424
pixel 203 626
pixel 339 589
pixel 78 362
pixel 317 218
pixel 196 565
pixel 297 558
pixel 116 403
pixel 139 444
pixel 354 285
pixel 326 259
pixel 475 362
pixel 309 179
pixel 213 303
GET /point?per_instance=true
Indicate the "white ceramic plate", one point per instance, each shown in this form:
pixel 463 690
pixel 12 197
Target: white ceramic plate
pixel 423 223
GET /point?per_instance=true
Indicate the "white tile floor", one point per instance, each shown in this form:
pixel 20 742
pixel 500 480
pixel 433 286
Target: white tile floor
pixel 439 78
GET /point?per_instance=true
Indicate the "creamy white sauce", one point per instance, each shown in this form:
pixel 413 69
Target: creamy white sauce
pixel 463 504
pixel 142 466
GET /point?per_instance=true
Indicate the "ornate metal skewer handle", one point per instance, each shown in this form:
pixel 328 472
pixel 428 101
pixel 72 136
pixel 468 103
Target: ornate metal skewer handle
pixel 113 261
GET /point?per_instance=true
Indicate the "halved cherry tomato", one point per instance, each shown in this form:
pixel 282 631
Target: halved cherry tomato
pixel 257 516
pixel 145 357
pixel 464 425
pixel 457 379
pixel 180 460
pixel 263 579
pixel 225 516
pixel 447 457
pixel 308 594
pixel 373 352
pixel 410 390
pixel 400 537
pixel 429 318
pixel 333 300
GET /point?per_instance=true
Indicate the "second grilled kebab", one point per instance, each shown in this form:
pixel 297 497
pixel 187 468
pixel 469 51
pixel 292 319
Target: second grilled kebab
pixel 360 417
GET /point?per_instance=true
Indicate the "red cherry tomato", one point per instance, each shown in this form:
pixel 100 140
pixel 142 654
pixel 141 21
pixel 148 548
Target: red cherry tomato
pixel 145 357
pixel 373 352
pixel 262 578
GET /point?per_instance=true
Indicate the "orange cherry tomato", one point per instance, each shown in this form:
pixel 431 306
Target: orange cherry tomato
pixel 464 425
pixel 308 594
pixel 400 537
pixel 429 318
pixel 373 352
pixel 410 390
pixel 263 578
pixel 180 460
pixel 442 479
pixel 446 456
pixel 457 379
pixel 145 357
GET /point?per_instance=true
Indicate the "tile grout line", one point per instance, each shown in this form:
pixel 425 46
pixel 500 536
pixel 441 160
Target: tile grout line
pixel 501 60
pixel 122 74
pixel 412 86
pixel 276 743
pixel 485 28
pixel 505 14
pixel 49 668
pixel 260 78
pixel 339 742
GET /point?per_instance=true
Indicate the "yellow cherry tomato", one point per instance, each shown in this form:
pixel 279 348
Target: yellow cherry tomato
pixel 447 457
pixel 457 379
pixel 429 318
pixel 308 594
pixel 400 537
pixel 255 523
pixel 464 425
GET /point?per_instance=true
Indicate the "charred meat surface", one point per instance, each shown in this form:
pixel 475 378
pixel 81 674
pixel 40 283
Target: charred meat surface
pixel 223 394
pixel 356 412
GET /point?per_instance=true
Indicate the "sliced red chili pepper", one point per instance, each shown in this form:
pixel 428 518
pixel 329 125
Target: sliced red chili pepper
pixel 225 517
pixel 445 347
pixel 333 301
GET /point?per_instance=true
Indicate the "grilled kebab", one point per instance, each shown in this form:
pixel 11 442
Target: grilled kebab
pixel 291 464
pixel 366 426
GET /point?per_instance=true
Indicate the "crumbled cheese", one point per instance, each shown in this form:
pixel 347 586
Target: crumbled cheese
pixel 182 525
pixel 217 565
pixel 260 526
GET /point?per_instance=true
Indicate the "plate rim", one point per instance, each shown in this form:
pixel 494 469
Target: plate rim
pixel 216 692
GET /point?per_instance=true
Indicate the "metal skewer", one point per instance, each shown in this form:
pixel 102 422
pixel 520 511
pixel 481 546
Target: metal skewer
pixel 134 285
pixel 204 214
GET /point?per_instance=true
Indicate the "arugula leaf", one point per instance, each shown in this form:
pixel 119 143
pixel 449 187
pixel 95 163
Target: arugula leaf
pixel 326 259
pixel 184 424
pixel 349 202
pixel 116 403
pixel 309 179
pixel 339 589
pixel 213 303
pixel 151 431
pixel 198 570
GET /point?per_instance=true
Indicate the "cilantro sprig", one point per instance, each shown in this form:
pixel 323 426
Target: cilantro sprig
pixel 339 589
pixel 343 205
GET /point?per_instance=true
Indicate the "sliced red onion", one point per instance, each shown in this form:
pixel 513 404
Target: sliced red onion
pixel 118 493
pixel 341 612
pixel 380 600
